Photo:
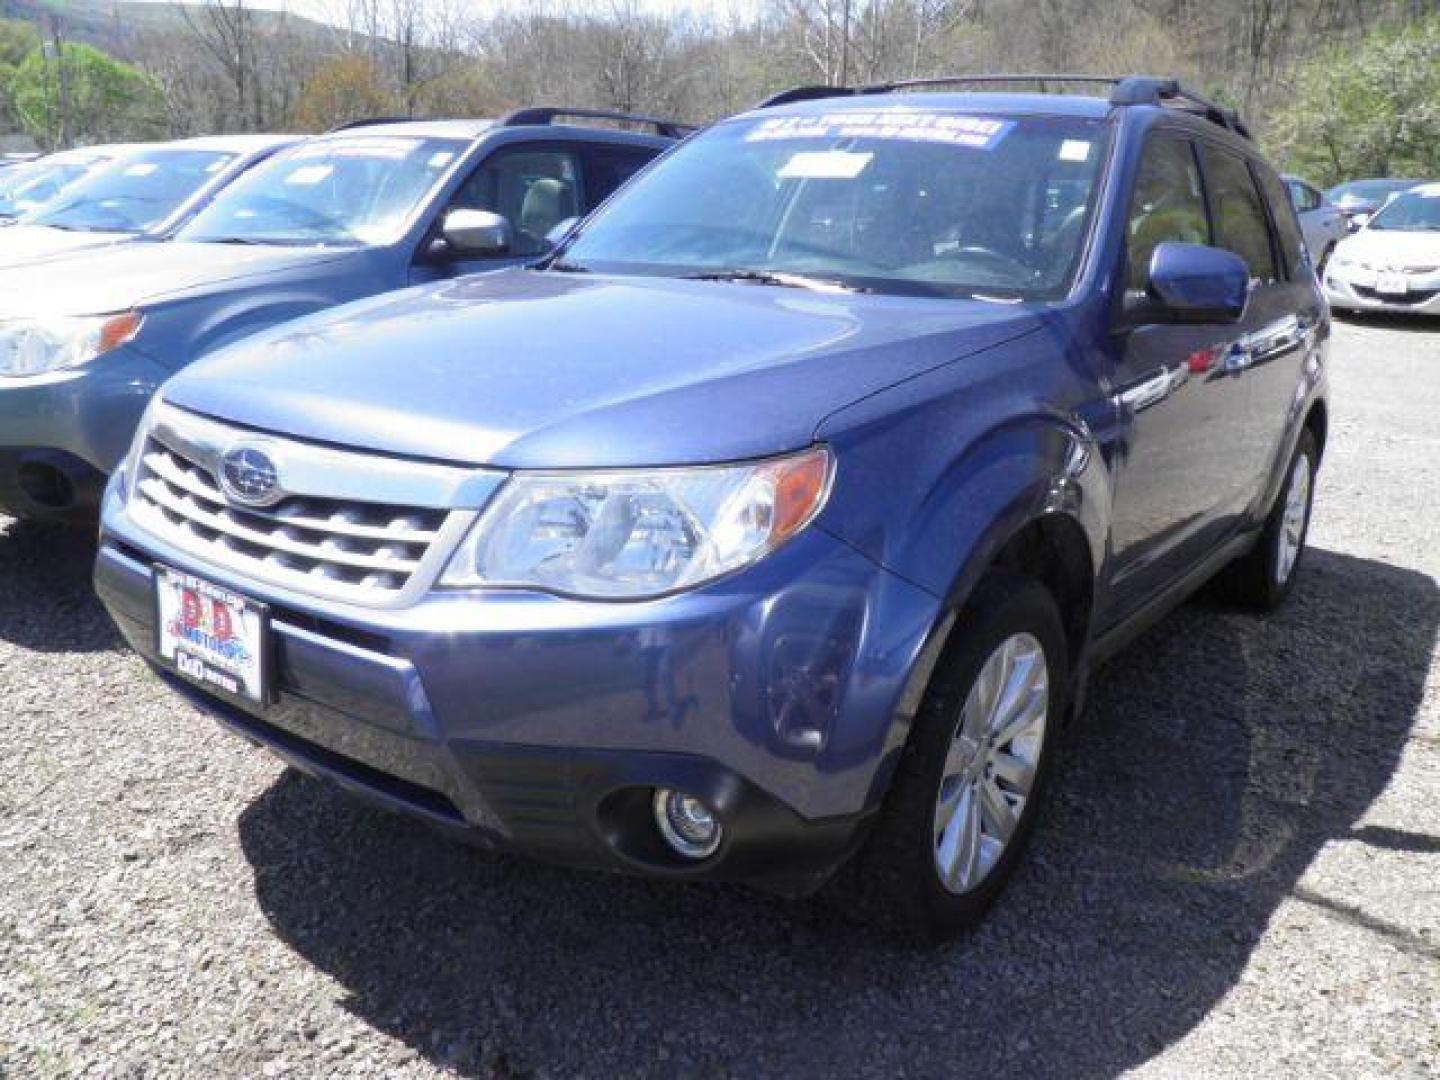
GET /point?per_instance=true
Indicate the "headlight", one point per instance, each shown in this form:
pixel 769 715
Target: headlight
pixel 33 346
pixel 631 534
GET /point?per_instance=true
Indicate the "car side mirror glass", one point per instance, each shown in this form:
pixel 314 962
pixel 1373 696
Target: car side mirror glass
pixel 477 232
pixel 1196 283
pixel 561 232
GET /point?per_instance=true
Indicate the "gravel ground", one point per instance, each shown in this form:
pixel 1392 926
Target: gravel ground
pixel 1240 874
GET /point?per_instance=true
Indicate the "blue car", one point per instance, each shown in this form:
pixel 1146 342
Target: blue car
pixel 84 341
pixel 770 529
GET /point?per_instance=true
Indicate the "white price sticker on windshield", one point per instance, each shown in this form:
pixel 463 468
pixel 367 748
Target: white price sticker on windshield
pixel 141 168
pixel 824 165
pixel 1075 150
pixel 309 175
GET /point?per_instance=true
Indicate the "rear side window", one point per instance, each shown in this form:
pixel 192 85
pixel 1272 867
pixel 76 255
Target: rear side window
pixel 1303 196
pixel 1287 225
pixel 607 167
pixel 1168 204
pixel 1241 223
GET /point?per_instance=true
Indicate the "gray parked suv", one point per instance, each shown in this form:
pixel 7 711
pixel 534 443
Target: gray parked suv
pixel 84 341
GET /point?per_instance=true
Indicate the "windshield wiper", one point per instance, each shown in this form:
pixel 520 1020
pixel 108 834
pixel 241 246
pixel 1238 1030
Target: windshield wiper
pixel 778 277
pixel 566 267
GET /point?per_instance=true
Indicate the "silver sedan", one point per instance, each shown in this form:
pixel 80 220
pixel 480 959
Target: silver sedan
pixel 1322 222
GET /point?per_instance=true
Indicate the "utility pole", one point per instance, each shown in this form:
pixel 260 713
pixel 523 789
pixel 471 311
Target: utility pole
pixel 845 44
pixel 56 48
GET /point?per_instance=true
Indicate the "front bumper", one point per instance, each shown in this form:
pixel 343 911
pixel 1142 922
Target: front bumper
pixel 77 424
pixel 780 695
pixel 1422 297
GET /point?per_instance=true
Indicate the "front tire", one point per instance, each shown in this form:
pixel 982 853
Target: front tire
pixel 973 775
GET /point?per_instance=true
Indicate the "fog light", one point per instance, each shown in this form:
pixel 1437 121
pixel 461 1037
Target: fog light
pixel 686 823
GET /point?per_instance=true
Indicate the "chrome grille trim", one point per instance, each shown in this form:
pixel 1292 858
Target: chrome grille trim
pixel 339 532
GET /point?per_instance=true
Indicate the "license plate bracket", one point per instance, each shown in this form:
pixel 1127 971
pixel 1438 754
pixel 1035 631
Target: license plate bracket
pixel 212 636
pixel 1392 284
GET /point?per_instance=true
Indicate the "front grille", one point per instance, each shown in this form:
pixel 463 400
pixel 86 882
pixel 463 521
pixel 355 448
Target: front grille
pixel 1414 296
pixel 358 550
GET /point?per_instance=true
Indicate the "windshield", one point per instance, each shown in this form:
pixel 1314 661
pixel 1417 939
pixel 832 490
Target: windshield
pixel 134 194
pixel 1367 190
pixel 906 202
pixel 1415 211
pixel 354 191
pixel 29 186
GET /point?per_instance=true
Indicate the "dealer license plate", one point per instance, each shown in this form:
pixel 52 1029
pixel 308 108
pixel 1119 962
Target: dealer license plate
pixel 212 636
pixel 1392 284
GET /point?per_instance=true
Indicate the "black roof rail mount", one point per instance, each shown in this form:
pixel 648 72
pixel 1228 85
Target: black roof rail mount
pixel 1152 90
pixel 370 121
pixel 1126 90
pixel 546 114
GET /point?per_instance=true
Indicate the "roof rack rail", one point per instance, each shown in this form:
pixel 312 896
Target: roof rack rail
pixel 1041 79
pixel 804 93
pixel 546 114
pixel 1127 90
pixel 369 121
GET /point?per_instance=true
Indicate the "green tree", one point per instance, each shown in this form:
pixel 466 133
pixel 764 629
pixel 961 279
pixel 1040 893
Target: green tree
pixel 344 89
pixel 1371 110
pixel 83 96
pixel 17 40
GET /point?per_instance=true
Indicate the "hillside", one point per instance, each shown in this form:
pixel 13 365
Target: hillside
pixel 111 24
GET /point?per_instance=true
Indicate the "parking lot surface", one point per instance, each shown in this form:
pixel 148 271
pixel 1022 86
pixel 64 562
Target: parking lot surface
pixel 1239 875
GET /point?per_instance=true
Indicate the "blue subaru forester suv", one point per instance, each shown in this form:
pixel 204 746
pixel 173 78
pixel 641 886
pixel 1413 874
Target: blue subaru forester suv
pixel 770 529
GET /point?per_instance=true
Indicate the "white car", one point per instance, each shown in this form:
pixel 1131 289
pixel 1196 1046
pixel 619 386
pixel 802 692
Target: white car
pixel 31 184
pixel 144 193
pixel 1393 263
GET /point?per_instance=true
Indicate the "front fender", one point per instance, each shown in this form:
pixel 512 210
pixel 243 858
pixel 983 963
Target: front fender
pixel 933 484
pixel 941 522
pixel 182 330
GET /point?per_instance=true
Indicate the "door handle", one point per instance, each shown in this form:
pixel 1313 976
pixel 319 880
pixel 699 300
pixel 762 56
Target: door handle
pixel 1149 391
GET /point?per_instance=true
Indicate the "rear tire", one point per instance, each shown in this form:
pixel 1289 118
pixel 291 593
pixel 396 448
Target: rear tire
pixel 1262 578
pixel 974 773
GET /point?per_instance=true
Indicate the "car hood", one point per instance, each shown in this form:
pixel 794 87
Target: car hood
pixel 131 275
pixel 522 369
pixel 22 244
pixel 1393 248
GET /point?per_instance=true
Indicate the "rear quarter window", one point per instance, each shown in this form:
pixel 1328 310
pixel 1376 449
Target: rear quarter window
pixel 1287 225
pixel 1241 222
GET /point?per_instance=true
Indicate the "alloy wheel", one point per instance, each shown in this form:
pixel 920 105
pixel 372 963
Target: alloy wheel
pixel 1292 522
pixel 992 762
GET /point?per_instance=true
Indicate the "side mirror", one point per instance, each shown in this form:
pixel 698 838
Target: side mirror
pixel 561 232
pixel 1359 221
pixel 476 232
pixel 1193 283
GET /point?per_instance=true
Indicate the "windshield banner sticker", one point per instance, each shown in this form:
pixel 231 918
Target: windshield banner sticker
pixel 974 132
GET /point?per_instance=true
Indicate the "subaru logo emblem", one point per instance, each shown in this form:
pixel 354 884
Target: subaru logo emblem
pixel 249 475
